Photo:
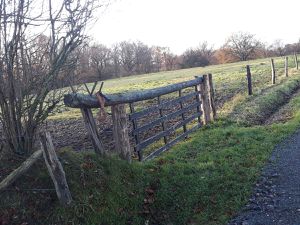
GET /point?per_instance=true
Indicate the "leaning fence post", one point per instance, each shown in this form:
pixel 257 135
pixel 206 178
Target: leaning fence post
pixel 273 71
pixel 211 94
pixel 249 80
pixel 203 88
pixel 91 127
pixel 286 67
pixel 23 168
pixel 55 169
pixel 120 131
pixel 296 61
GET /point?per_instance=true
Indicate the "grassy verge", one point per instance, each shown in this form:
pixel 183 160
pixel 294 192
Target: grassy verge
pixel 255 109
pixel 204 180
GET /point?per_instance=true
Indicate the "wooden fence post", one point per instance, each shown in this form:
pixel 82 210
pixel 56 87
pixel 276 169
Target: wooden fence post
pixel 91 127
pixel 205 105
pixel 286 67
pixel 120 131
pixel 249 80
pixel 55 169
pixel 296 61
pixel 273 71
pixel 211 94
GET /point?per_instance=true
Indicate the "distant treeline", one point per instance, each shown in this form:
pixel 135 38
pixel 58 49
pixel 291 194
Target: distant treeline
pixel 99 62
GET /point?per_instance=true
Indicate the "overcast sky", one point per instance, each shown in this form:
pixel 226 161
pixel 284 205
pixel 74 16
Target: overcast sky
pixel 180 24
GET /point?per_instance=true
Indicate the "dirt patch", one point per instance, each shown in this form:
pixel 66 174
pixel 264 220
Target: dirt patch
pixel 72 132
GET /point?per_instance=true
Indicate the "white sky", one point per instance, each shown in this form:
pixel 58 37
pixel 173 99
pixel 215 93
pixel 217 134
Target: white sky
pixel 180 24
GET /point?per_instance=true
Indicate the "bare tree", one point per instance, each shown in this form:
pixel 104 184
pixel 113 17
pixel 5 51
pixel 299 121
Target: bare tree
pixel 278 48
pixel 195 57
pixel 100 59
pixel 116 61
pixel 292 48
pixel 157 57
pixel 31 63
pixel 127 56
pixel 169 59
pixel 83 72
pixel 242 45
pixel 205 50
pixel 143 58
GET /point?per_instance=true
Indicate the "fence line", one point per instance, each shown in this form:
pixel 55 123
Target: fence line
pixel 273 72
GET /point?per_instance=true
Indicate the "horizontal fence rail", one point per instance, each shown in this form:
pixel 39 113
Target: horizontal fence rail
pixel 165 117
pixel 76 100
pixel 165 105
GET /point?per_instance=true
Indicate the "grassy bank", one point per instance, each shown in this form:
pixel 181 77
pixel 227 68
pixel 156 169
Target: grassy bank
pixel 257 108
pixel 204 180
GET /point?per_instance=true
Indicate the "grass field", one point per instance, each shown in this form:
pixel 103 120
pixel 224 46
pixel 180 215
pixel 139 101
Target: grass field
pixel 203 180
pixel 229 81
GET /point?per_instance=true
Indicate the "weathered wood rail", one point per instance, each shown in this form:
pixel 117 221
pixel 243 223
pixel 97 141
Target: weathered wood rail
pixel 186 109
pixel 76 100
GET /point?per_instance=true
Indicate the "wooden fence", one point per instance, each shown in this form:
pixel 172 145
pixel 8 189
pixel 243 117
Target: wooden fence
pixel 273 72
pixel 194 105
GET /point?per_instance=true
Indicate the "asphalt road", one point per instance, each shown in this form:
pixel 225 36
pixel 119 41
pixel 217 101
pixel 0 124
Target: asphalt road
pixel 276 196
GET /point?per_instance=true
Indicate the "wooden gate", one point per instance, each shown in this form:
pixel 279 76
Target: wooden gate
pixel 192 106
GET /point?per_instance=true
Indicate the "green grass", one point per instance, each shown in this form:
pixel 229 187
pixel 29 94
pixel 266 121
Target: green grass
pixel 255 109
pixel 229 81
pixel 203 180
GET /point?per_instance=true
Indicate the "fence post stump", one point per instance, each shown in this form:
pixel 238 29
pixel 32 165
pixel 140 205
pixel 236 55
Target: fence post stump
pixel 286 67
pixel 55 169
pixel 296 61
pixel 273 71
pixel 249 80
pixel 91 127
pixel 120 131
pixel 205 105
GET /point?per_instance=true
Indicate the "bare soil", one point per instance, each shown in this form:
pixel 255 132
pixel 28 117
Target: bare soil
pixel 71 133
